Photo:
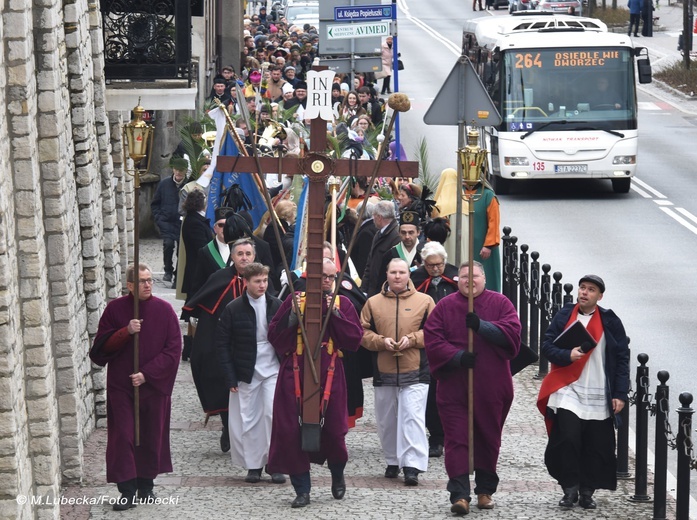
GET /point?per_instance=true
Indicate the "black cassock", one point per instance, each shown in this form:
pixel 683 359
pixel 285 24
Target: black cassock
pixel 207 305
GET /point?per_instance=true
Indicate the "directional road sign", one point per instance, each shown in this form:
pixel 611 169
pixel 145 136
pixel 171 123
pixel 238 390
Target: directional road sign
pixel 358 30
pixel 362 13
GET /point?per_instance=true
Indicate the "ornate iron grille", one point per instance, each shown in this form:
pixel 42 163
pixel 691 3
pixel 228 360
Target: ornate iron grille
pixel 147 39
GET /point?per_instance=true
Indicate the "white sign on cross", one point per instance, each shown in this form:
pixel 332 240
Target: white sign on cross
pixel 319 94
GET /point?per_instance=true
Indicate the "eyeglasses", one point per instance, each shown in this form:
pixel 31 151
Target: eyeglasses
pixel 220 224
pixel 147 281
pixel 435 266
pixel 328 277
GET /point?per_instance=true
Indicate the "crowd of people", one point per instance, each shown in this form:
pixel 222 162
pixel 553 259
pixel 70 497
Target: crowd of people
pixel 422 327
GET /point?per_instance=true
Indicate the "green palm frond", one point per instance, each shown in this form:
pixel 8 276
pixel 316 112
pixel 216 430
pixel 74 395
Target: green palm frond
pixel 427 177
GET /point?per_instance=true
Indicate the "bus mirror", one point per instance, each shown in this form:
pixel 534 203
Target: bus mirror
pixel 644 68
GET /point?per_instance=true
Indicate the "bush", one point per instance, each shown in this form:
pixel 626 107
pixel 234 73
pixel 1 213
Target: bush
pixel 678 77
pixel 611 17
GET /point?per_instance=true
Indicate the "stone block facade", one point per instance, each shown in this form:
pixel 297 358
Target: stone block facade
pixel 64 229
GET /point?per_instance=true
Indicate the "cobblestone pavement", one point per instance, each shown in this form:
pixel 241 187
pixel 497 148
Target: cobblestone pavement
pixel 204 483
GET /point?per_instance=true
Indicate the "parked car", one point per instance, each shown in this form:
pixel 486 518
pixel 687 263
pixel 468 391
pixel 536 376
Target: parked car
pixel 560 6
pixel 520 5
pixel 500 3
pixel 302 10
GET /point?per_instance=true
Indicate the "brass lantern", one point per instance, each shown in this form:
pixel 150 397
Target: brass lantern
pixel 472 159
pixel 139 138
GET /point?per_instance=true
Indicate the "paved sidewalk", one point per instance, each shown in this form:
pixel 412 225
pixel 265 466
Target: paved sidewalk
pixel 204 484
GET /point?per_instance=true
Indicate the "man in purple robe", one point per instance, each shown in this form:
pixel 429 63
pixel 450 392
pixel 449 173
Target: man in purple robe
pixel 132 467
pixel 344 332
pixel 496 330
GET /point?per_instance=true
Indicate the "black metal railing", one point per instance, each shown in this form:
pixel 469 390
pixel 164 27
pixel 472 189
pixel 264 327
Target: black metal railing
pixel 537 298
pixel 146 39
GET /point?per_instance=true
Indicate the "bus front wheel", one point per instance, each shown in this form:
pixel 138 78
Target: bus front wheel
pixel 621 185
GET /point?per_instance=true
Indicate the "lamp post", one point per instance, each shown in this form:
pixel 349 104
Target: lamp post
pixel 137 135
pixel 472 158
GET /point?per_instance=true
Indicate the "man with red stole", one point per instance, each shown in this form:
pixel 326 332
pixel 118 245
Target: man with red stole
pixel 581 396
pixel 132 467
pixel 496 330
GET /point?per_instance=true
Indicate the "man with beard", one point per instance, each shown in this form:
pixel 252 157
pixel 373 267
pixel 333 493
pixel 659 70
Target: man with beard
pixel 408 247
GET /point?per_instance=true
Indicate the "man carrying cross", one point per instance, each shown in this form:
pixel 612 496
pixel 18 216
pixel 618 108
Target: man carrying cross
pixel 344 332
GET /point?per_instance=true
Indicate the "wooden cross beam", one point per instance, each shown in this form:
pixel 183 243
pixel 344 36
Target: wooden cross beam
pixel 317 166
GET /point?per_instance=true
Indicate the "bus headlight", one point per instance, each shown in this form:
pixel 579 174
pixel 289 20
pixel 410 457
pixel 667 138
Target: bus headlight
pixel 516 161
pixel 624 159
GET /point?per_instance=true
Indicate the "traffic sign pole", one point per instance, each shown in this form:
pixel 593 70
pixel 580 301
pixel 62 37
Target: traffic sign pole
pixel 395 71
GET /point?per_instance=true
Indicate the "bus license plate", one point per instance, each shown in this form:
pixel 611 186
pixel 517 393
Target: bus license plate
pixel 570 168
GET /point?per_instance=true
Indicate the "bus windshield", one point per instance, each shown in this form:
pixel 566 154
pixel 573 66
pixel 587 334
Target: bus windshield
pixel 589 88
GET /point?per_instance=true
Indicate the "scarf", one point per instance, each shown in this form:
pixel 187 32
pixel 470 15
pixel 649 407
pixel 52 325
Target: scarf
pixel 560 377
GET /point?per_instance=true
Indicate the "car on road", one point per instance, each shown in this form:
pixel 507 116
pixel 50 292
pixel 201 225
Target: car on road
pixel 297 11
pixel 500 3
pixel 560 6
pixel 515 6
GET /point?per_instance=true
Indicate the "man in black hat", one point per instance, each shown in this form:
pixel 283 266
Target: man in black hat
pixel 582 395
pixel 299 99
pixel 165 212
pixel 214 255
pixel 408 248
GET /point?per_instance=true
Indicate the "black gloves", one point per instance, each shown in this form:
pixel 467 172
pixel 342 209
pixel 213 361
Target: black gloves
pixel 467 359
pixel 472 321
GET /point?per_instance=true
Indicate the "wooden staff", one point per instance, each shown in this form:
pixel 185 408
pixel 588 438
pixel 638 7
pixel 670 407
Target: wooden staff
pixel 136 302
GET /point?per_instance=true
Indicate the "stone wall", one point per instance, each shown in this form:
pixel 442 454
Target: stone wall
pixel 60 240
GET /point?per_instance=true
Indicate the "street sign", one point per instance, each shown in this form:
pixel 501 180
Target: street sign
pixel 462 99
pixel 360 46
pixel 357 30
pixel 362 13
pixel 359 64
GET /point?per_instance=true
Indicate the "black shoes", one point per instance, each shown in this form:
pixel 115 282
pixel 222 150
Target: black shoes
pixel 302 500
pixel 586 501
pixel 278 478
pixel 411 476
pixel 338 487
pixel 570 497
pixel 125 502
pixel 391 471
pixel 225 441
pixel 435 451
pixel 253 476
pixel 167 277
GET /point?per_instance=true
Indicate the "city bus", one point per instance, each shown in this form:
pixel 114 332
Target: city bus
pixel 566 91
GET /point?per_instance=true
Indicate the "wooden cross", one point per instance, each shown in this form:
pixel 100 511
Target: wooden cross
pixel 318 167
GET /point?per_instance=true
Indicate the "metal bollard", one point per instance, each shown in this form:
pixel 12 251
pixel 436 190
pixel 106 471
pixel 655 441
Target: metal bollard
pixel 506 287
pixel 684 447
pixel 556 293
pixel 545 314
pixel 568 297
pixel 661 448
pixel 535 302
pixel 514 272
pixel 524 284
pixel 623 441
pixel 642 431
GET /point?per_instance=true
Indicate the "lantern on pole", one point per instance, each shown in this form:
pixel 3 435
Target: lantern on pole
pixel 472 158
pixel 137 136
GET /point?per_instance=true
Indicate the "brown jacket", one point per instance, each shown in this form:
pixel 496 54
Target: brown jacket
pixel 396 315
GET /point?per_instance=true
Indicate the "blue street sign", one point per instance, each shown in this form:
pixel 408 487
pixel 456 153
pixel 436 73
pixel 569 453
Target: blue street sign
pixel 362 13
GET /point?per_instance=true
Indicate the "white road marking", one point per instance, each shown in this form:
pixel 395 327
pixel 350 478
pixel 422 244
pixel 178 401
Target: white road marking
pixel 687 214
pixel 663 202
pixel 679 219
pixel 656 193
pixel 648 105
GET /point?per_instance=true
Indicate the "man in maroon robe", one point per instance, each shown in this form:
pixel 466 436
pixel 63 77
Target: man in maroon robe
pixel 132 467
pixel 344 332
pixel 496 341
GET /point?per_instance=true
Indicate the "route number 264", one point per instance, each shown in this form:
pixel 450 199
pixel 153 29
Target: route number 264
pixel 527 60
